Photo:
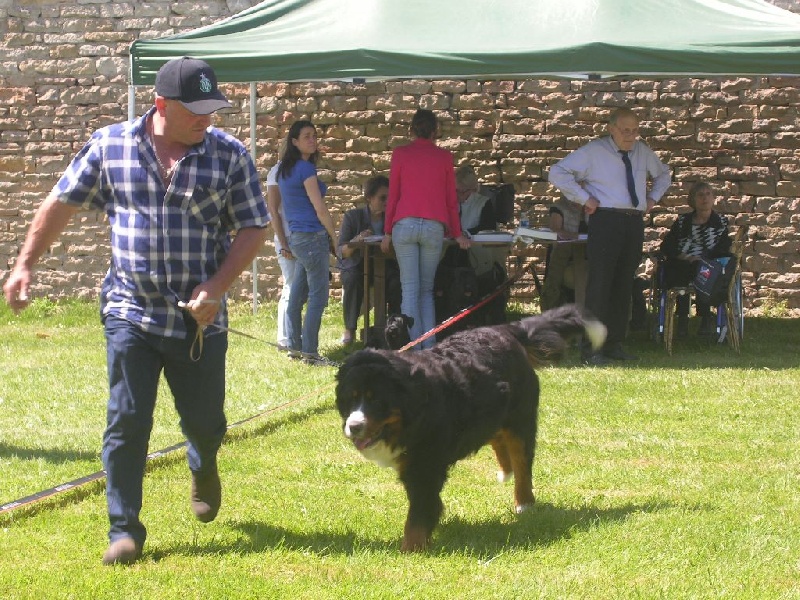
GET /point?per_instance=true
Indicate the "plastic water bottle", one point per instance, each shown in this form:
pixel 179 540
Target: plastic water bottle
pixel 523 220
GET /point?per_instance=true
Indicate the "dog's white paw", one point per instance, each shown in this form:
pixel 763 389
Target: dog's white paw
pixel 502 476
pixel 522 508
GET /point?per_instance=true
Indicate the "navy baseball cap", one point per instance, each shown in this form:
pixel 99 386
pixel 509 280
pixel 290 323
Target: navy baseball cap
pixel 193 83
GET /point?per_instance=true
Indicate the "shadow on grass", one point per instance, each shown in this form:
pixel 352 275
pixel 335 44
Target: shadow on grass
pixel 541 526
pixel 80 490
pixel 768 343
pixel 51 455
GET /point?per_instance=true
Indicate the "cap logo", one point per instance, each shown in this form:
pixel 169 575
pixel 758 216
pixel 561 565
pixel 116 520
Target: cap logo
pixel 205 84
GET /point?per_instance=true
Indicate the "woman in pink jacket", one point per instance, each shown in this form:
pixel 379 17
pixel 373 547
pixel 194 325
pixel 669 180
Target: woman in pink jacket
pixel 422 209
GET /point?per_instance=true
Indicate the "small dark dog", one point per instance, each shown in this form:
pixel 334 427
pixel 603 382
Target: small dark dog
pixel 421 412
pixel 397 331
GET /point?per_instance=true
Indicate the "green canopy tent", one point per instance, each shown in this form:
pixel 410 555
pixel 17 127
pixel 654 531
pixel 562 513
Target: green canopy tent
pixel 325 40
pixel 329 40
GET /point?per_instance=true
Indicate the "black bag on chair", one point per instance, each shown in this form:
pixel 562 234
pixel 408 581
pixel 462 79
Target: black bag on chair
pixel 713 278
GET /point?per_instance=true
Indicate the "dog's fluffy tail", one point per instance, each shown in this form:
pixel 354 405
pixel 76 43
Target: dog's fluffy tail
pixel 546 336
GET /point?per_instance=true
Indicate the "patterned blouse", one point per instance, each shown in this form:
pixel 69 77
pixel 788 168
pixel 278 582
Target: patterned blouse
pixel 709 240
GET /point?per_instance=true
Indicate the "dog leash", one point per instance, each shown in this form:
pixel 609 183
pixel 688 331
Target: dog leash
pixel 470 309
pixel 196 349
pixel 312 358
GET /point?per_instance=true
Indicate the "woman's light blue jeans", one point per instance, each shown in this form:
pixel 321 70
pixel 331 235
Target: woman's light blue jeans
pixel 418 245
pixel 311 253
pixel 287 272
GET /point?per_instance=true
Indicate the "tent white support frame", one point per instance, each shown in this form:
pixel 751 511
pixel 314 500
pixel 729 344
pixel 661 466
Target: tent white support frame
pixel 253 154
pixel 253 96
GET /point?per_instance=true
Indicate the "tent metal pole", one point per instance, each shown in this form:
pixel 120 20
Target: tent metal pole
pixel 131 102
pixel 253 154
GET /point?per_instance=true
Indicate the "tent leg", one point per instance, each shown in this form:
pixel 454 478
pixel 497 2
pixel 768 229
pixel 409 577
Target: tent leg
pixel 253 155
pixel 131 102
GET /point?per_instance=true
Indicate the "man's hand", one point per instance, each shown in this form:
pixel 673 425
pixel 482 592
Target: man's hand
pixel 650 204
pixel 16 289
pixel 591 205
pixel 203 306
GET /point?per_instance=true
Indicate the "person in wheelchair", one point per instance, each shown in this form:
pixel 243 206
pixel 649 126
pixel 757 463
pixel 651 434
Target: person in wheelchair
pixel 702 233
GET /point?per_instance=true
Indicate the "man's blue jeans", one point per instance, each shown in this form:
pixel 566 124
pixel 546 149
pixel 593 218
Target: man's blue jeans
pixel 311 252
pixel 135 362
pixel 418 246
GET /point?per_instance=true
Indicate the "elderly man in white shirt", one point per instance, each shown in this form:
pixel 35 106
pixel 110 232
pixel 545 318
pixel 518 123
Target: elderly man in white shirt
pixel 609 177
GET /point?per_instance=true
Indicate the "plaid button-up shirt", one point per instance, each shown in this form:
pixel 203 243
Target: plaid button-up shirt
pixel 164 241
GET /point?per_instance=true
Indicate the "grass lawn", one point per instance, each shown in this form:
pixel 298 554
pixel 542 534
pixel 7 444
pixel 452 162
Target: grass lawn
pixel 674 477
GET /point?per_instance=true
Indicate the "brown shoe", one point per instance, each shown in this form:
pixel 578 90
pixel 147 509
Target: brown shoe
pixel 124 551
pixel 206 495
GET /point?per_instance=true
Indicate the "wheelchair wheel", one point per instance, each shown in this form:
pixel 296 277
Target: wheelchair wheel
pixel 737 315
pixel 737 302
pixel 657 300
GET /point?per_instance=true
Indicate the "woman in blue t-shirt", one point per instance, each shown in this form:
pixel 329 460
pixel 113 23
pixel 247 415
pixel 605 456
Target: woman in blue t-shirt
pixel 311 234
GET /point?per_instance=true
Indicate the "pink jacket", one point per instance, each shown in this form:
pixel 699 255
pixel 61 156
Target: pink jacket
pixel 422 183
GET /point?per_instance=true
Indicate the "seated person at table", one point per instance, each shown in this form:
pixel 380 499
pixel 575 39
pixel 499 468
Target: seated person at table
pixel 476 213
pixel 475 209
pixel 357 224
pixel 465 276
pixel 567 220
pixel 702 233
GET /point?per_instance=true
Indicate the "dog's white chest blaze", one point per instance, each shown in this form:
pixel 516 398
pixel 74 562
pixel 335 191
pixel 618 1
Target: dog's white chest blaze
pixel 382 455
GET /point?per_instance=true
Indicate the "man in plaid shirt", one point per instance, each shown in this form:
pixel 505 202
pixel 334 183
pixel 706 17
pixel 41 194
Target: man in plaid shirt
pixel 173 188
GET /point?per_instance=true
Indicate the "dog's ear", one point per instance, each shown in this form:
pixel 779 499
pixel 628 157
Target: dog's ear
pixel 408 320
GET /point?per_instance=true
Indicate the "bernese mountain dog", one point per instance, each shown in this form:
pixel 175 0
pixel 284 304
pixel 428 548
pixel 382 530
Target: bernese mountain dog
pixel 420 412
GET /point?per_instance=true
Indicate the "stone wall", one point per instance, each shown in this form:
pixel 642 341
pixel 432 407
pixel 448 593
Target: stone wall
pixel 63 73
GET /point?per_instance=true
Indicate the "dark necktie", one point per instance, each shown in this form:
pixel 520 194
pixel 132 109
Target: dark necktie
pixel 629 175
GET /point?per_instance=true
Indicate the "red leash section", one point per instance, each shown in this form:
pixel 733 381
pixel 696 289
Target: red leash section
pixel 470 309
